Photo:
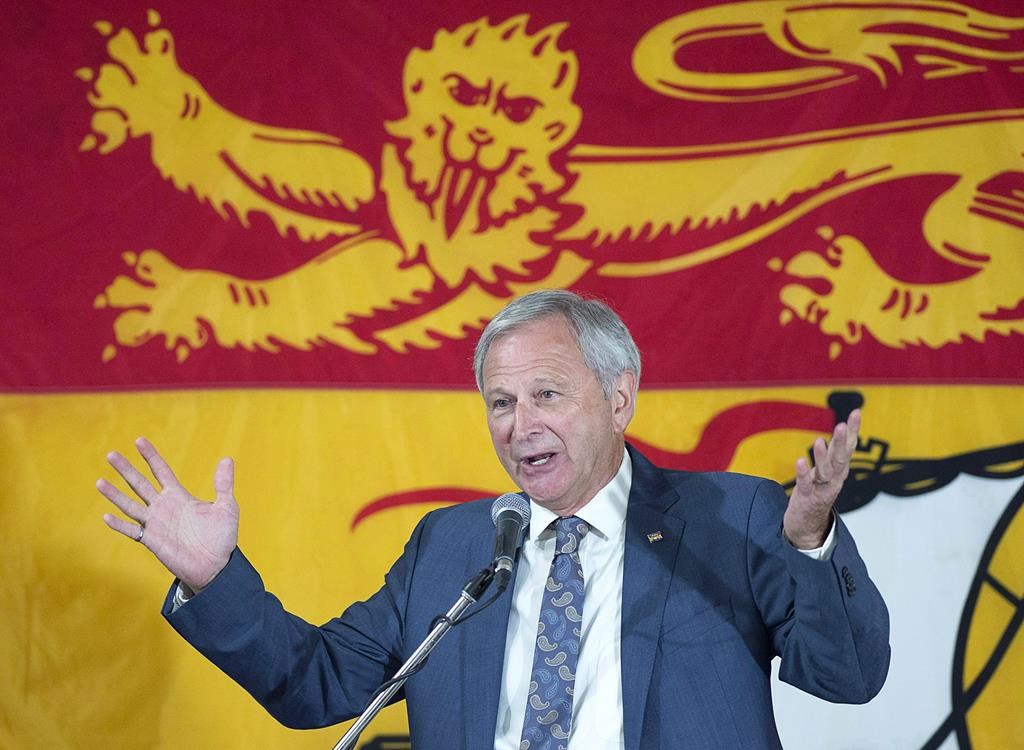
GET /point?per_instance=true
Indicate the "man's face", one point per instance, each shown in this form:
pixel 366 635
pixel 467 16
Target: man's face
pixel 554 431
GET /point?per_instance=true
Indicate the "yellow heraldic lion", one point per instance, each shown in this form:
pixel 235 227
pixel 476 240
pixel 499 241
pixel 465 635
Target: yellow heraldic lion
pixel 480 168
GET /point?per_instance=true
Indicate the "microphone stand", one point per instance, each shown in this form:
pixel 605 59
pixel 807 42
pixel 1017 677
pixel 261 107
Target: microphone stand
pixel 471 592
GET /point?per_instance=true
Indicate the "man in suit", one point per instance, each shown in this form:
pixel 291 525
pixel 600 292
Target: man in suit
pixel 647 604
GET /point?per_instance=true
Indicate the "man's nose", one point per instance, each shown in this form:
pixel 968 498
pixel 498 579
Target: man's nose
pixel 526 422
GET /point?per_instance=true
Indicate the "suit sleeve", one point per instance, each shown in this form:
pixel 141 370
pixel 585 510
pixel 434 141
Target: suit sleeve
pixel 305 676
pixel 826 619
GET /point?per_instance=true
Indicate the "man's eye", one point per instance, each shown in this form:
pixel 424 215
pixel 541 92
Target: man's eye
pixel 547 395
pixel 500 403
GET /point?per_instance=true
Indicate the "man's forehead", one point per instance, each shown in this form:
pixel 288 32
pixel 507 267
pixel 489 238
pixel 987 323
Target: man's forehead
pixel 542 357
pixel 550 335
pixel 554 324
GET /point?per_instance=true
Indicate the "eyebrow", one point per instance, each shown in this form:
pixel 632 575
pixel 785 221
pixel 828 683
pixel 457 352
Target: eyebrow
pixel 535 384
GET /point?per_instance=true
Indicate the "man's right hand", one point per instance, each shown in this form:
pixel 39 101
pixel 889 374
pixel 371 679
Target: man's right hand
pixel 192 538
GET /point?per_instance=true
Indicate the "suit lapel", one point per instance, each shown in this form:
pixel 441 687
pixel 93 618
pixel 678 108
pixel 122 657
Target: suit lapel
pixel 483 658
pixel 652 541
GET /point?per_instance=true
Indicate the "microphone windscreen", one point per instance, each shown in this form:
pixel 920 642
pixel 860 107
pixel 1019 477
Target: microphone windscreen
pixel 511 501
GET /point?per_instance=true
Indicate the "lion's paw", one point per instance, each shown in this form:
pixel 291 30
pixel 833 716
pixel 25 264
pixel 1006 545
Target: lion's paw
pixel 843 292
pixel 159 299
pixel 138 89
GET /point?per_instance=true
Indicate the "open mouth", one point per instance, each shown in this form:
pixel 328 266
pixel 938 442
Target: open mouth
pixel 539 460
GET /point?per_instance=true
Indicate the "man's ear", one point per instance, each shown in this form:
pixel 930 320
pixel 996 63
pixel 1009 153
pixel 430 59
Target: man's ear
pixel 623 400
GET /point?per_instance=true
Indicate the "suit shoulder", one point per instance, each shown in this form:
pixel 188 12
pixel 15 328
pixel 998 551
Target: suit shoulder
pixel 726 494
pixel 719 480
pixel 460 515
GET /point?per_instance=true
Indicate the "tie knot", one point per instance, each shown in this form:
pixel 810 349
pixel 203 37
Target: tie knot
pixel 568 533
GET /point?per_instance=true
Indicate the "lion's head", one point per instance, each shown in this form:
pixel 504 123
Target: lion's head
pixel 487 106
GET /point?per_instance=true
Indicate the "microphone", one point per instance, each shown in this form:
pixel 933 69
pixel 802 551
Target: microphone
pixel 510 514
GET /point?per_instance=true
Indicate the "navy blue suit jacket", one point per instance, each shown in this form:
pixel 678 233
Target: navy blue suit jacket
pixel 704 610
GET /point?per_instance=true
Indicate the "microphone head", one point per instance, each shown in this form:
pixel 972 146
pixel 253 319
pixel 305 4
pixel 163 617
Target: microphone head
pixel 511 502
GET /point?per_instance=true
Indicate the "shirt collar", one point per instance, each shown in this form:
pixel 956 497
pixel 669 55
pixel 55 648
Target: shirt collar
pixel 605 513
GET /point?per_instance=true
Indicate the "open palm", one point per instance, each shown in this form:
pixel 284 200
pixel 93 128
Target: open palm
pixel 192 538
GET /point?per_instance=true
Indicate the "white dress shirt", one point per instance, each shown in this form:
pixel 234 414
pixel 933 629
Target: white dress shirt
pixel 597 703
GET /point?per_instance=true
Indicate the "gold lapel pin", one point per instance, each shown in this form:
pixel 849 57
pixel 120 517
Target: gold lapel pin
pixel 654 537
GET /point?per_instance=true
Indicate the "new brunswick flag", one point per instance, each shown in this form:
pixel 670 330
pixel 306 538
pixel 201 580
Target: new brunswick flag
pixel 274 230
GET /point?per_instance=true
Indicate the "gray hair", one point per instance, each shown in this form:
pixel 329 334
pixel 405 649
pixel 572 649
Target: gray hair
pixel 606 344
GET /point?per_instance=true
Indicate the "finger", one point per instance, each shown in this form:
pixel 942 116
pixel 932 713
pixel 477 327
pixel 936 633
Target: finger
pixel 157 465
pixel 803 476
pixel 133 477
pixel 125 504
pixel 853 430
pixel 224 480
pixel 822 472
pixel 838 447
pixel 130 530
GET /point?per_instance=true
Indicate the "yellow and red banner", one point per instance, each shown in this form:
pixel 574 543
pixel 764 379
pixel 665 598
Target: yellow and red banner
pixel 274 232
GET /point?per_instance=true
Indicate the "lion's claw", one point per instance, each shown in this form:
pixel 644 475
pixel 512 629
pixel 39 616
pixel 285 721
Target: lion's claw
pixel 817 294
pixel 130 91
pixel 157 300
pixel 838 292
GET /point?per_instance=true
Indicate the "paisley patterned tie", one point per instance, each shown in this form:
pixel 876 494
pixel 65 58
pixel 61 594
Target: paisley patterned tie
pixel 549 703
